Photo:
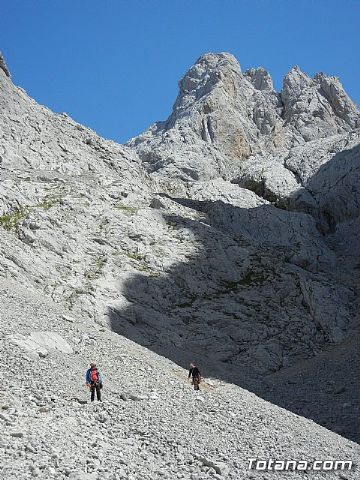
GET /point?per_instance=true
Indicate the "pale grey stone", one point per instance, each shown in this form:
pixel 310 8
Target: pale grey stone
pixel 3 66
pixel 227 234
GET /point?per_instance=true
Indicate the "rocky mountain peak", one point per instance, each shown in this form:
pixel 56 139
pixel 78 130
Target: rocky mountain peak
pixel 295 81
pixel 222 116
pixel 331 88
pixel 209 70
pixel 215 61
pixel 260 78
pixel 316 107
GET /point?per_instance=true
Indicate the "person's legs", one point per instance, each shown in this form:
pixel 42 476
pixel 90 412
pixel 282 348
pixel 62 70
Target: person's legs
pixel 98 392
pixel 92 389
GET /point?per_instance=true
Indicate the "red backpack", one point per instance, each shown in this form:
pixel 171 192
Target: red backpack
pixel 94 375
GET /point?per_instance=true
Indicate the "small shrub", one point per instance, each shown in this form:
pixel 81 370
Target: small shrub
pixel 145 268
pixel 96 271
pixel 10 220
pixel 135 256
pixel 126 208
pixel 104 222
pixel 48 202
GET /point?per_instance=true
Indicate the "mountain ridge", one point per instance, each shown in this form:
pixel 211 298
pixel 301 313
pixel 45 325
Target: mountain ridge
pixel 217 235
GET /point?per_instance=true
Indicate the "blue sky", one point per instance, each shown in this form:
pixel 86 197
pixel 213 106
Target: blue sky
pixel 114 65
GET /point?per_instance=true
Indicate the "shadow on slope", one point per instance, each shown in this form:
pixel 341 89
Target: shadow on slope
pixel 235 307
pixel 335 186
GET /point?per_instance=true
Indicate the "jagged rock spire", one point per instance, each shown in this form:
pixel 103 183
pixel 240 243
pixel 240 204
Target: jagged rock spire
pixel 208 71
pixel 227 115
pixel 260 78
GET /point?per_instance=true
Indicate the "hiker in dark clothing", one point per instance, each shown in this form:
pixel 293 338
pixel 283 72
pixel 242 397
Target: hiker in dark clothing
pixel 94 380
pixel 194 372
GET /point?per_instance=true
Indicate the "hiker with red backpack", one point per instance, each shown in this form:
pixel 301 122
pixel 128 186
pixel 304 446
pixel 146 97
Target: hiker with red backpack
pixel 94 380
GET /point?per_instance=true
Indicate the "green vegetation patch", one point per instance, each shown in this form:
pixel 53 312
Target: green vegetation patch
pixel 135 256
pixel 48 202
pixel 126 208
pixel 96 270
pixel 145 268
pixel 104 222
pixel 140 265
pixel 11 219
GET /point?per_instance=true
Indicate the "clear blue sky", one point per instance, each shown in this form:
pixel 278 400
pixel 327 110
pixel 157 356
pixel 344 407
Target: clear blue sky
pixel 114 65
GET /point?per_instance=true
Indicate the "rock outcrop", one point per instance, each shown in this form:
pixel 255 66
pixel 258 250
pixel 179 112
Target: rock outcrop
pixel 223 116
pixel 3 66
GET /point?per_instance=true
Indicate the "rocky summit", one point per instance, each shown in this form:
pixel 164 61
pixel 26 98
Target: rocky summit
pixel 226 235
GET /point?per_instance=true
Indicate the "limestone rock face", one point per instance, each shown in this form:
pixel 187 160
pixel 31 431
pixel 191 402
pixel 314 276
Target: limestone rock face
pixel 220 117
pixel 260 78
pixel 318 107
pixel 215 234
pixel 223 116
pixel 3 66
